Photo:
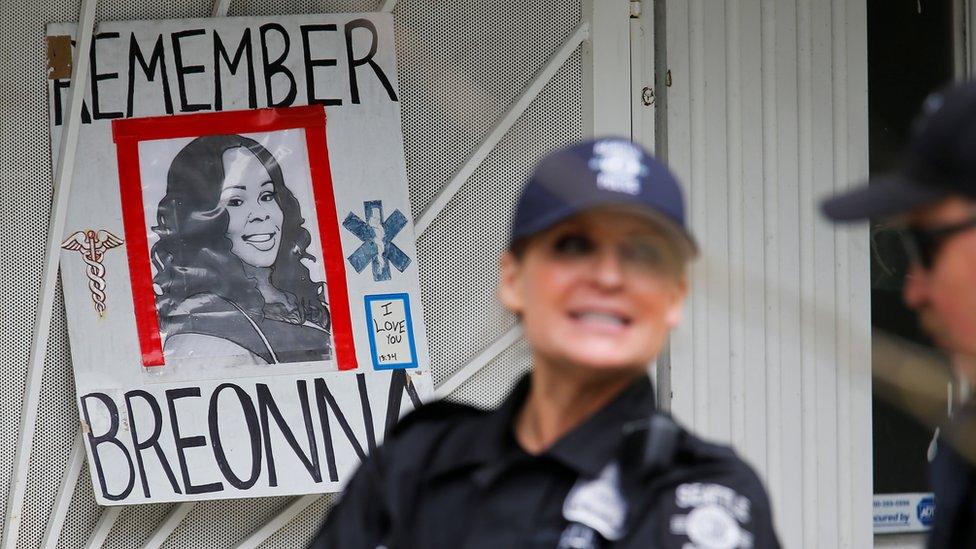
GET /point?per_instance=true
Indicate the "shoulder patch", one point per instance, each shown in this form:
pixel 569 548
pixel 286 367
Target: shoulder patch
pixel 437 412
pixel 702 449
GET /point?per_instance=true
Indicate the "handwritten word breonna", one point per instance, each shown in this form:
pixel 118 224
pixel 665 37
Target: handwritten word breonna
pixel 163 432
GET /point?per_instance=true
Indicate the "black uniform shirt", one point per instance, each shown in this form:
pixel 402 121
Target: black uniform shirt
pixel 451 476
pixel 953 476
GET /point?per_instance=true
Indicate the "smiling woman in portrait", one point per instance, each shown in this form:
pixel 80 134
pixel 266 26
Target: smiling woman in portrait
pixel 229 279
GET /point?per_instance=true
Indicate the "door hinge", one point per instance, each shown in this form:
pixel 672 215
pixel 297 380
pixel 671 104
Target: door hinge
pixel 635 9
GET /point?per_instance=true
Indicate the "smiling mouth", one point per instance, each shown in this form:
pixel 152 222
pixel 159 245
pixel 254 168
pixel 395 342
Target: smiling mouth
pixel 261 241
pixel 601 319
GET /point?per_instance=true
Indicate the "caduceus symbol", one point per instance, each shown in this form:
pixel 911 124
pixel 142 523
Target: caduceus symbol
pixel 92 245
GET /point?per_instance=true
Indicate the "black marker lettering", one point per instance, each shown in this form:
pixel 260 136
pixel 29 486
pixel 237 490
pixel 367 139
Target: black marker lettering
pixel 85 114
pixel 157 59
pixel 277 66
pixel 109 436
pixel 58 106
pixel 253 431
pixel 97 77
pixel 412 391
pixel 397 383
pixel 266 406
pixel 183 70
pixel 367 412
pixel 310 64
pixel 326 401
pixel 322 395
pixel 182 443
pixel 151 442
pixel 244 49
pixel 365 60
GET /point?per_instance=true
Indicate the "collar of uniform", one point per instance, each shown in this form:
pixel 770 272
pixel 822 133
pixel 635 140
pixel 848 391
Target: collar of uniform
pixel 490 441
pixel 959 432
pixel 591 445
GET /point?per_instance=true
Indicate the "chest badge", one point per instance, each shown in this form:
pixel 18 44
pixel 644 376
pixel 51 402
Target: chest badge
pixel 598 503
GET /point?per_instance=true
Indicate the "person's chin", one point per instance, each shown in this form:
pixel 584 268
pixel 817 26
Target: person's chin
pixel 607 361
pixel 261 261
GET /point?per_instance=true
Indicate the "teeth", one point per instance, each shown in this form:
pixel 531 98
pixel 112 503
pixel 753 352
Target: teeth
pixel 260 237
pixel 601 317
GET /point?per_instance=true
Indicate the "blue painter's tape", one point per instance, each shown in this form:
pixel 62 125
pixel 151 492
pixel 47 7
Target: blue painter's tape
pixel 408 328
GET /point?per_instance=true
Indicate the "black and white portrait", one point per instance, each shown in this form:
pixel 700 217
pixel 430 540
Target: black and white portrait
pixel 235 250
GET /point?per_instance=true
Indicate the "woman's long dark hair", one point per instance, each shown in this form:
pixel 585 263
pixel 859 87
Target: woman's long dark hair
pixel 193 254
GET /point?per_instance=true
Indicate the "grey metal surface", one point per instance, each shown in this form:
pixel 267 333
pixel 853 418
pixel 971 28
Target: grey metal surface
pixel 224 523
pixel 489 387
pixel 25 177
pixel 459 252
pixel 82 516
pixel 300 530
pixel 461 64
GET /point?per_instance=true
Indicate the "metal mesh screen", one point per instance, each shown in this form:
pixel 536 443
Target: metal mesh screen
pixel 300 530
pixel 82 516
pixel 136 524
pixel 489 387
pixel 24 213
pixel 57 423
pixel 121 10
pixel 224 523
pixel 461 66
pixel 286 7
pixel 459 252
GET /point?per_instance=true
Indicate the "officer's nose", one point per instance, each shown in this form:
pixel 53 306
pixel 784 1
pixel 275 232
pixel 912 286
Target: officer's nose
pixel 916 289
pixel 608 272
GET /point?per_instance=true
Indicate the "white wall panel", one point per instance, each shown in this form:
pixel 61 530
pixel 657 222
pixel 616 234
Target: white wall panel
pixel 767 114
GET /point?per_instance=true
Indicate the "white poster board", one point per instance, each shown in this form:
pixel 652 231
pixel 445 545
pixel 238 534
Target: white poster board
pixel 239 264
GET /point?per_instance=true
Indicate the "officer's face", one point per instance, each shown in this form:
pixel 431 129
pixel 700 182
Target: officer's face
pixel 945 293
pixel 598 291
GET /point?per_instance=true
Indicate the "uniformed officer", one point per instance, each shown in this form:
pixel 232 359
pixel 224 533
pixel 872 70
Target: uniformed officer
pixel 577 456
pixel 933 196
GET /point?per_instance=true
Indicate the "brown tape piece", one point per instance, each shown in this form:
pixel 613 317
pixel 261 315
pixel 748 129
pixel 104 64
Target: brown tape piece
pixel 58 57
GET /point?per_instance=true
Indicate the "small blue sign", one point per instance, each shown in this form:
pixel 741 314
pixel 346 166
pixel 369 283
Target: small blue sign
pixel 390 329
pixel 926 511
pixel 903 512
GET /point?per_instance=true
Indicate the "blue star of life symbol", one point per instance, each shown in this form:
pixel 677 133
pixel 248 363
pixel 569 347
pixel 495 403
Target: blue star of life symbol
pixel 377 235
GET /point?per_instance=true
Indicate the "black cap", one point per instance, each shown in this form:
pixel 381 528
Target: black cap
pixel 940 162
pixel 600 173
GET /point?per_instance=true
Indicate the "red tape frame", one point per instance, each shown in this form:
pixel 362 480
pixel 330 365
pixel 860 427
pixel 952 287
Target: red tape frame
pixel 127 133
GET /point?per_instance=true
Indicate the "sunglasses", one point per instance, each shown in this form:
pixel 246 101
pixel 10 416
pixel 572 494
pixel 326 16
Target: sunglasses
pixel 922 244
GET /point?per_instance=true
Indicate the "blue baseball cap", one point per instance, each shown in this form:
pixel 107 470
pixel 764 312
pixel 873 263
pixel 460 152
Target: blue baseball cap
pixel 610 172
pixel 939 162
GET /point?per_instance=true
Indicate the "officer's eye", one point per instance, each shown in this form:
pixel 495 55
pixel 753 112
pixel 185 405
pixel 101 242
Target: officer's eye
pixel 573 245
pixel 645 254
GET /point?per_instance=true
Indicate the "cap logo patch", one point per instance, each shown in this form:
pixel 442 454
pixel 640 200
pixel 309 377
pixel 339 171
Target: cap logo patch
pixel 933 103
pixel 618 166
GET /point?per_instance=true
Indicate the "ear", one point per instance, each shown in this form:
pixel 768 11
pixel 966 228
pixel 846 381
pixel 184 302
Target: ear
pixel 509 282
pixel 675 312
